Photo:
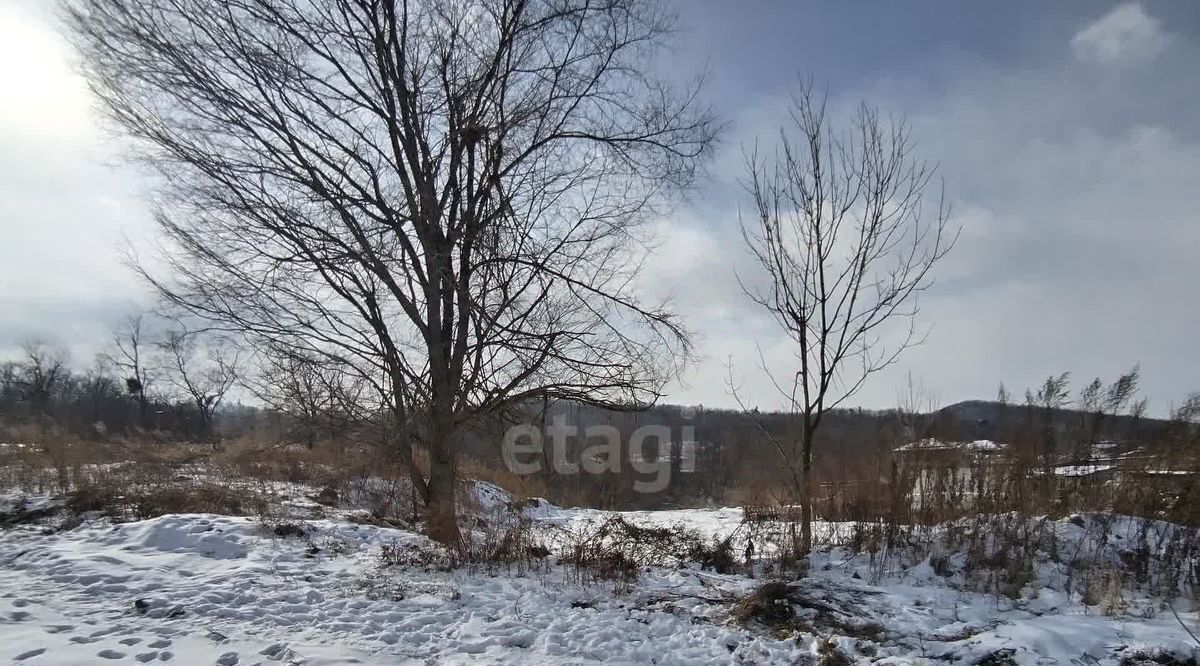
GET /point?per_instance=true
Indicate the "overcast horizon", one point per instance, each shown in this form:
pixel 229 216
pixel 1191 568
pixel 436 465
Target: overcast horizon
pixel 1065 134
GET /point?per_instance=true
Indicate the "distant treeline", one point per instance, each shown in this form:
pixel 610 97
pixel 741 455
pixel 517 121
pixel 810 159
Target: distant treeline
pixel 172 387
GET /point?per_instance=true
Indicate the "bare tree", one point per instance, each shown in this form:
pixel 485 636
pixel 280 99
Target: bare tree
pixel 840 230
pixel 318 395
pixel 1054 394
pixel 1183 432
pixel 202 370
pixel 1098 403
pixel 129 355
pixel 43 374
pixel 10 385
pixel 444 197
pixel 915 405
pixel 98 388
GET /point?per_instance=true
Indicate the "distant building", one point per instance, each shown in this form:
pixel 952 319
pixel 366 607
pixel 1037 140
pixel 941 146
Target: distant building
pixel 1090 471
pixel 931 445
pixel 1109 461
pixel 685 457
pixel 946 469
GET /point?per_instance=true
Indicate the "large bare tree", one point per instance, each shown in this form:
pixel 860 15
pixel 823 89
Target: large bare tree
pixel 444 195
pixel 846 244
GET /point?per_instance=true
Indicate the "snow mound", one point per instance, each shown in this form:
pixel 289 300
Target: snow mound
pixel 216 538
pixel 489 496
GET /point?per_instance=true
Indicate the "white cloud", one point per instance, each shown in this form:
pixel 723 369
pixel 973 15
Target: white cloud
pixel 64 213
pixel 45 100
pixel 1125 34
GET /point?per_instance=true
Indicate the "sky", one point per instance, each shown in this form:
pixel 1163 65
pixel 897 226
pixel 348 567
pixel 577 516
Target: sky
pixel 1065 133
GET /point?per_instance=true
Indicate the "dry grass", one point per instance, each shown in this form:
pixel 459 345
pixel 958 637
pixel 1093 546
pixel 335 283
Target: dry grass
pixel 999 518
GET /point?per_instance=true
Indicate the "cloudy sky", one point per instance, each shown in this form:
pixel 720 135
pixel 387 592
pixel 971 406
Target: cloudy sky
pixel 1067 135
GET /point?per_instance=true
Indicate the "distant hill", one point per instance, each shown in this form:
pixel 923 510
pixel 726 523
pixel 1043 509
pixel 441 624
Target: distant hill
pixel 845 433
pixel 988 419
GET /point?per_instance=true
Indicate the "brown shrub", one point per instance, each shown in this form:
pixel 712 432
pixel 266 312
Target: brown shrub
pixel 193 498
pixel 769 604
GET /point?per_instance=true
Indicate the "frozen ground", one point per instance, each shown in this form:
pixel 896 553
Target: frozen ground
pixel 206 589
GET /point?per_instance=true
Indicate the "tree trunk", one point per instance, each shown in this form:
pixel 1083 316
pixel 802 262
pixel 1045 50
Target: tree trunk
pixel 403 447
pixel 806 498
pixel 439 499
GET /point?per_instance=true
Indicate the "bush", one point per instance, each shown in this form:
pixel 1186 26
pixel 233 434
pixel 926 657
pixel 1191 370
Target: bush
pixel 197 498
pixel 617 549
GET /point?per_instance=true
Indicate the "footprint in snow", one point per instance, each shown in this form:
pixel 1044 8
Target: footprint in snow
pixel 160 643
pixel 108 559
pixel 278 652
pixel 228 659
pixel 30 654
pixel 110 654
pixel 147 657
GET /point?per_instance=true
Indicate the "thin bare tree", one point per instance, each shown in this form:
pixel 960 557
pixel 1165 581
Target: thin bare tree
pixel 1183 432
pixel 841 232
pixel 445 197
pixel 129 355
pixel 1053 395
pixel 321 398
pixel 1098 404
pixel 916 405
pixel 202 369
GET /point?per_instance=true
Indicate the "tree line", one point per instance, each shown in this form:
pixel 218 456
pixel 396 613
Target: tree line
pixel 161 379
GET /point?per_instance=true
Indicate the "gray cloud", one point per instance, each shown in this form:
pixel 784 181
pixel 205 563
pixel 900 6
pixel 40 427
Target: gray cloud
pixel 1068 143
pixel 1123 34
pixel 1074 188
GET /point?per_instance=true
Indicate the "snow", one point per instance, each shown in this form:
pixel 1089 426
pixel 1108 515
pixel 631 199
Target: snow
pixel 1081 470
pixel 931 444
pixel 217 588
pixel 489 496
pixel 209 589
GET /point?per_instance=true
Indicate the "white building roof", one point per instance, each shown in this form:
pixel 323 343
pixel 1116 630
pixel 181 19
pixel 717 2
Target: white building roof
pixel 932 444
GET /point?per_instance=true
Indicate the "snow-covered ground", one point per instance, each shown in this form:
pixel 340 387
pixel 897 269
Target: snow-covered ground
pixel 208 589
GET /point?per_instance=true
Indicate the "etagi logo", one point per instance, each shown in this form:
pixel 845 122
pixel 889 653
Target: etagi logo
pixel 524 450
